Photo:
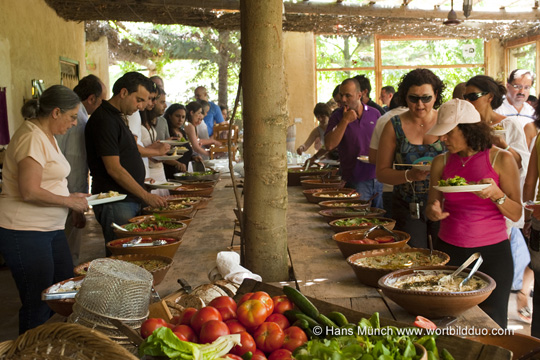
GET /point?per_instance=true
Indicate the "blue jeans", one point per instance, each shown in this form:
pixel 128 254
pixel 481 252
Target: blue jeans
pixel 37 259
pixel 118 212
pixel 368 188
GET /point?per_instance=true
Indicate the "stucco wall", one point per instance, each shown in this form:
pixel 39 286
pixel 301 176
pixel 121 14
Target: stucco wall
pixel 32 40
pixel 97 60
pixel 299 50
pixel 495 60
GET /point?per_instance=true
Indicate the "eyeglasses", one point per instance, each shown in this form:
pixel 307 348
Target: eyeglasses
pixel 474 96
pixel 415 99
pixel 521 87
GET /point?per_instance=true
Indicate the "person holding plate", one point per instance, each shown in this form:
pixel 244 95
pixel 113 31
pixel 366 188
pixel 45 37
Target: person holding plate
pixel 475 221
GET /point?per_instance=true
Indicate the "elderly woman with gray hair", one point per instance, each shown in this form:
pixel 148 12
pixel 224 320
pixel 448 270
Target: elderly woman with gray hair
pixel 35 200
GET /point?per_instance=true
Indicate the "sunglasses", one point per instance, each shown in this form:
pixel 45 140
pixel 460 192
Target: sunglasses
pixel 415 99
pixel 474 96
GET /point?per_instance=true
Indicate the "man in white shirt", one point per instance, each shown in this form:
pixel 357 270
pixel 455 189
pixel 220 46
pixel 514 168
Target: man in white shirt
pixel 518 87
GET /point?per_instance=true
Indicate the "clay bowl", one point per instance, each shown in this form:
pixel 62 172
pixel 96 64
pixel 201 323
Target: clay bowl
pixel 187 210
pixel 333 214
pixel 186 201
pixel 520 345
pixel 158 274
pixel 173 233
pixel 365 225
pixel 186 219
pixel 309 195
pixel 321 184
pixel 346 241
pixel 168 249
pixel 337 195
pixel 62 307
pixel 183 177
pixel 203 200
pixel 327 177
pixel 294 174
pixel 433 304
pixel 193 190
pixel 345 204
pixel 370 275
pixel 200 182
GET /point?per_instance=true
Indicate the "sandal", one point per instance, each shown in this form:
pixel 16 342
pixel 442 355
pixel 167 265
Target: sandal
pixel 525 314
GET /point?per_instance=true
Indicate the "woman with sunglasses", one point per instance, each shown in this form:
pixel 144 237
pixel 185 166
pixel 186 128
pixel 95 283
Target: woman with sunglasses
pixel 405 141
pixel 486 94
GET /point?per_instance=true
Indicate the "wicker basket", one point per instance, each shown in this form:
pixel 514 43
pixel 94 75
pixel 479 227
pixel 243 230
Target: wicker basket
pixel 59 341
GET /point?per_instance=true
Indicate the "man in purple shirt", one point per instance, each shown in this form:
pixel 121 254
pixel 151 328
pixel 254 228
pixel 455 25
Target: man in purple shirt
pixel 349 129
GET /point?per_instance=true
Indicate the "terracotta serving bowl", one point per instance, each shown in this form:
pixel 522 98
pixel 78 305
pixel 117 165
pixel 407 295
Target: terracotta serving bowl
pixel 186 219
pixel 346 241
pixel 345 204
pixel 321 184
pixel 431 303
pixel 520 345
pixel 198 182
pixel 386 222
pixel 333 214
pixel 193 190
pixel 183 177
pixel 294 174
pixel 332 176
pixel 62 307
pixel 174 233
pixel 158 274
pixel 188 210
pixel 203 200
pixel 345 193
pixel 309 195
pixel 168 249
pixel 371 275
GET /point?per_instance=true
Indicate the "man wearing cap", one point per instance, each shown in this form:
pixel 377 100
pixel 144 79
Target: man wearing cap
pixel 472 216
pixel 518 87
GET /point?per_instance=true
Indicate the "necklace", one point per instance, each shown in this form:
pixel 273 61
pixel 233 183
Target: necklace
pixel 463 163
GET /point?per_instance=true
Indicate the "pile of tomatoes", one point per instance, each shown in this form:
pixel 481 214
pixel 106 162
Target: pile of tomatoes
pixel 257 317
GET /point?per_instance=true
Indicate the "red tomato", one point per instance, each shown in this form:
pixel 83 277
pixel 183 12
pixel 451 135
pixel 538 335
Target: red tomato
pixel 186 315
pixel 294 337
pixel 245 298
pixel 269 337
pixel 424 323
pixel 211 330
pixel 384 239
pixel 226 306
pixel 247 344
pixel 259 295
pixel 279 319
pixel 148 327
pixel 258 355
pixel 234 326
pixel 362 241
pixel 282 304
pixel 280 354
pixel 175 320
pixel 233 357
pixel 252 313
pixel 205 314
pixel 188 332
pixel 180 336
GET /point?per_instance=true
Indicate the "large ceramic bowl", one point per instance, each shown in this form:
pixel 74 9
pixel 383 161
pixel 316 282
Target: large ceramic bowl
pixel 148 259
pixel 347 194
pixel 434 303
pixel 345 204
pixel 333 214
pixel 318 177
pixel 321 184
pixel 168 249
pixel 193 190
pixel 361 223
pixel 62 307
pixel 198 176
pixel 203 200
pixel 309 195
pixel 370 275
pixel 520 345
pixel 197 182
pixel 174 208
pixel 352 242
pixel 186 219
pixel 174 233
pixel 294 174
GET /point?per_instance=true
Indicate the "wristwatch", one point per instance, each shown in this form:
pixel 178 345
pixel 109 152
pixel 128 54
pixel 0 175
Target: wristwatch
pixel 501 200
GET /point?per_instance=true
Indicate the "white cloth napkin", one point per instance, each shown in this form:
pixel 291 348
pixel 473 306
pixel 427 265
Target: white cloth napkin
pixel 228 267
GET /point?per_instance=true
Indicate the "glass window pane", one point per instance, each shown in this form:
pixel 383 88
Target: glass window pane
pixel 523 57
pixel 334 52
pixel 328 80
pixel 432 52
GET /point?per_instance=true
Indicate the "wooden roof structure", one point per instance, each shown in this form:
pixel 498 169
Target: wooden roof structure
pixel 505 20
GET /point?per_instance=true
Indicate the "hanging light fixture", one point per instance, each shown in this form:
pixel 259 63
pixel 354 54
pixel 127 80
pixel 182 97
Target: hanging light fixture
pixel 467 8
pixel 452 17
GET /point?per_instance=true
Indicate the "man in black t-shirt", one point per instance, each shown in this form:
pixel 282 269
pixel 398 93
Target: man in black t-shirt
pixel 113 158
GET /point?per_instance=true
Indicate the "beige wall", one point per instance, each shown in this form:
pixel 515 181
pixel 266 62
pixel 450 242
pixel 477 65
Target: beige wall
pixel 97 60
pixel 299 52
pixel 495 60
pixel 32 40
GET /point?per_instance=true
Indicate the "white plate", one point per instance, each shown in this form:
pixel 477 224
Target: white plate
pixel 364 158
pixel 168 157
pixel 174 142
pixel 465 188
pixel 178 151
pixel 163 185
pixel 498 132
pixel 93 200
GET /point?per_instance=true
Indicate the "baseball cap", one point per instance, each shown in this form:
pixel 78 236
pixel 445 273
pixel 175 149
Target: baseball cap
pixel 452 113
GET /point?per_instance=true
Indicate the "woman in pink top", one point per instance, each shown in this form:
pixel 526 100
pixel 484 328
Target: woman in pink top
pixel 474 221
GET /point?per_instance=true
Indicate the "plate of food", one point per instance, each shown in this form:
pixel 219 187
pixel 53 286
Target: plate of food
pixel 163 185
pixel 364 158
pixel 458 184
pixel 177 150
pixel 498 129
pixel 181 141
pixel 167 157
pixel 103 198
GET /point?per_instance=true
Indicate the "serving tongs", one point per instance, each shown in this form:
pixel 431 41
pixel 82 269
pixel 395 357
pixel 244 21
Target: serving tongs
pixel 448 278
pixel 118 227
pixel 381 227
pixel 137 242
